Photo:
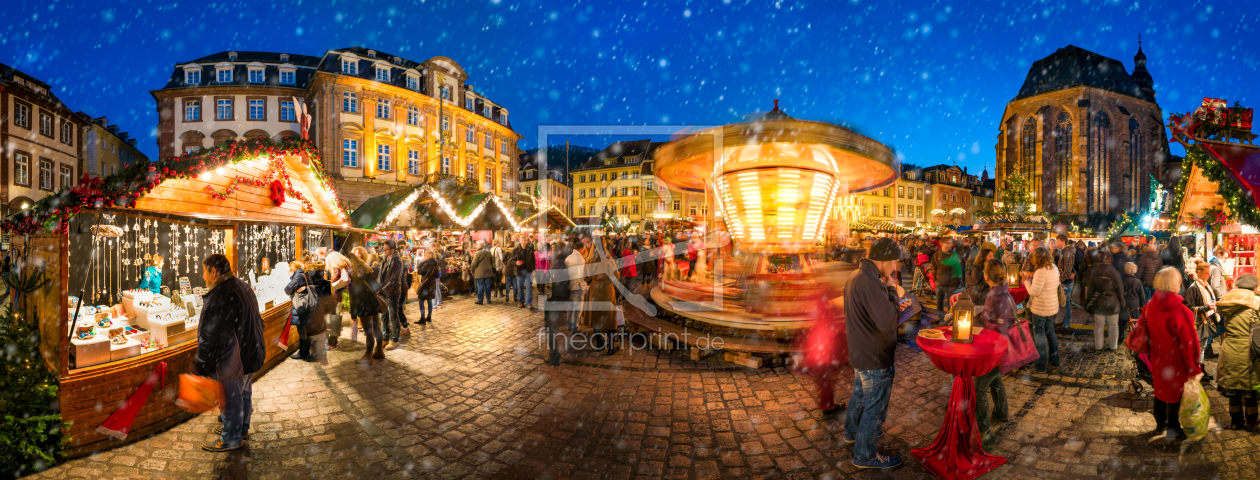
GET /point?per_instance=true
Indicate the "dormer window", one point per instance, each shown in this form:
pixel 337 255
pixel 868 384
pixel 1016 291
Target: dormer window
pixel 256 74
pixel 371 53
pixel 192 76
pixel 349 65
pixel 382 73
pixel 468 104
pixel 288 75
pixel 231 55
pixel 485 110
pixel 284 57
pixel 223 73
pixel 413 82
pixel 446 92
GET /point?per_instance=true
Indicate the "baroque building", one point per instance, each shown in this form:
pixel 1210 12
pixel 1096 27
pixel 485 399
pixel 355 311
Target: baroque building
pixel 1088 134
pixel 40 141
pixel 381 122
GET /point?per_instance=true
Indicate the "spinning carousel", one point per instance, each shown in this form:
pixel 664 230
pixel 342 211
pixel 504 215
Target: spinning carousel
pixel 774 181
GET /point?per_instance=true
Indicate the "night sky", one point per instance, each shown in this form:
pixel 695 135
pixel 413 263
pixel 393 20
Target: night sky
pixel 928 78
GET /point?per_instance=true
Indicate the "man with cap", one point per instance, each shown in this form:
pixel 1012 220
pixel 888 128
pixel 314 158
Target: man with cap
pixel 870 309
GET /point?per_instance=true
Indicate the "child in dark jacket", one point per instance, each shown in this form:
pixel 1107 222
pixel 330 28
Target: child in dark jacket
pixel 997 315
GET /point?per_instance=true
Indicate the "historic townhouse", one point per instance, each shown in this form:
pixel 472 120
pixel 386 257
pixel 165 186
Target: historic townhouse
pixel 909 203
pixel 106 149
pixel 231 96
pixel 41 138
pixel 1086 133
pixel 386 121
pixel 531 184
pixel 610 182
pixel 950 189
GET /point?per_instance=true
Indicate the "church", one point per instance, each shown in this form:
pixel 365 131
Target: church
pixel 1088 134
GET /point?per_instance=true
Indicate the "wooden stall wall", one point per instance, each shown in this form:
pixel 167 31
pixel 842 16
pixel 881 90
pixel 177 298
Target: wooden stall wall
pixel 45 305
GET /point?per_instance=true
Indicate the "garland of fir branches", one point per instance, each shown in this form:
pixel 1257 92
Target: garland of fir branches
pixel 1243 210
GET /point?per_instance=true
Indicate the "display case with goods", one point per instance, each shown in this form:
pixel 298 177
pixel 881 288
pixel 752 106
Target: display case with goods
pixel 123 255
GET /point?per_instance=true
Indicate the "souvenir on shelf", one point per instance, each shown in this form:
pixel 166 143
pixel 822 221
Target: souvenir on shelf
pixel 85 331
pixel 116 336
pixel 103 321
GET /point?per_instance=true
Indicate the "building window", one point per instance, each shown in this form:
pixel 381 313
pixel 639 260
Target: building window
pixel 918 194
pixel 190 149
pixel 287 113
pixel 634 208
pixel 22 170
pixel 691 210
pixel 489 179
pixel 469 136
pixel 901 210
pixel 67 137
pixel 634 191
pixel 350 66
pixel 624 209
pixel 382 74
pixel 603 192
pixel 224 109
pixel 413 162
pixel 257 110
pixel 901 192
pixel 255 75
pixel 413 82
pixel 485 110
pixel 649 185
pixel 624 191
pixel 885 210
pixel 288 77
pixel 192 77
pixel 581 211
pixel 503 146
pixel 225 75
pixel 446 92
pixel 1136 172
pixel 634 175
pixel 45 174
pixel 67 177
pixel 918 212
pixel 489 142
pixel 192 110
pixel 382 158
pixel 350 153
pixel 349 102
pixel 677 205
pixel 603 177
pixel 581 178
pixel 1100 163
pixel 468 104
pixel 413 116
pixel 581 193
pixel 45 124
pixel 22 115
pixel 446 165
pixel 382 108
pixel 503 179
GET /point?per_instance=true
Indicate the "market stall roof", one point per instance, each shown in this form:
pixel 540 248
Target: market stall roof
pixel 554 217
pixel 260 180
pixel 375 210
pixel 1199 194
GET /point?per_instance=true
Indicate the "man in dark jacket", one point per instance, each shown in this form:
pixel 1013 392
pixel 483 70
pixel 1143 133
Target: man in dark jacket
pixel 483 271
pixel 230 348
pixel 390 276
pixel 1118 255
pixel 1148 265
pixel 948 267
pixel 525 273
pixel 1066 263
pixel 870 309
pixel 557 303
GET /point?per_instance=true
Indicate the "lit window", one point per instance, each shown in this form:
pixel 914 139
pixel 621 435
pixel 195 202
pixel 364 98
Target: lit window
pixel 257 110
pixel 287 113
pixel 192 110
pixel 45 124
pixel 489 179
pixel 350 153
pixel 918 212
pixel 22 170
pixel 192 77
pixel 382 74
pixel 413 115
pixel 225 75
pixel 255 75
pixel 349 102
pixel 634 208
pixel 288 77
pixel 224 109
pixel 692 210
pixel 471 172
pixel 677 205
pixel 413 162
pixel 382 158
pixel 413 82
pixel 901 192
pixel 885 210
pixel 191 148
pixel 350 66
pixel 901 210
pixel 382 108
pixel 45 174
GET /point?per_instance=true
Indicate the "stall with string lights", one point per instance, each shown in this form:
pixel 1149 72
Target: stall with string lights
pixel 96 242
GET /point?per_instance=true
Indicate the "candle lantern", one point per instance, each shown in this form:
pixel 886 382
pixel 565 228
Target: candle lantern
pixel 964 317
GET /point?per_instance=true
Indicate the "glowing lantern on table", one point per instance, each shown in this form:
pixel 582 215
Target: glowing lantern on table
pixel 964 318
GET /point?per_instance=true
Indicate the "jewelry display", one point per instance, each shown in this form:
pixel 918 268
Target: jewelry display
pixel 175 249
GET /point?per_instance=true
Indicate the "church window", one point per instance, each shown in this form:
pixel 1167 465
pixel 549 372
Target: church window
pixel 1028 148
pixel 1063 162
pixel 1100 164
pixel 1137 174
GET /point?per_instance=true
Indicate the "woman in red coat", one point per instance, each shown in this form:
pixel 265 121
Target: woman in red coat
pixel 1174 351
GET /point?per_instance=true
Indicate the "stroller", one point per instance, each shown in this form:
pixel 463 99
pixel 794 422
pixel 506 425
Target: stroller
pixel 1141 363
pixel 924 276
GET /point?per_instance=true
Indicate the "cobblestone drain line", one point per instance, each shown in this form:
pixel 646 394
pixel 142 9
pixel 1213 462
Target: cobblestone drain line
pixel 387 444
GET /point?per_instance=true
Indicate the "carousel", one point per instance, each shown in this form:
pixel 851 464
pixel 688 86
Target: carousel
pixel 774 181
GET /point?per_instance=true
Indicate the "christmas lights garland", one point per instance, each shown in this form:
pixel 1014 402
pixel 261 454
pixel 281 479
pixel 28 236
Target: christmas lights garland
pixel 52 213
pixel 1243 210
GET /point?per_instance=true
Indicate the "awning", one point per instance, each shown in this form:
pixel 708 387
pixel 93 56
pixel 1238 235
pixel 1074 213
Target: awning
pixel 375 210
pixel 555 218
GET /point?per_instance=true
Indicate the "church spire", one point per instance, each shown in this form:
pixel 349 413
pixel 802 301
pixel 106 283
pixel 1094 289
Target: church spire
pixel 1140 75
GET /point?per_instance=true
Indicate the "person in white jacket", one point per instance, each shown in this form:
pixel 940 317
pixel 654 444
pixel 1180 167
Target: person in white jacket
pixel 575 263
pixel 1043 303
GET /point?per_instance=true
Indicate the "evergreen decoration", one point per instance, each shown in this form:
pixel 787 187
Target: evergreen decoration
pixel 52 213
pixel 1243 209
pixel 32 434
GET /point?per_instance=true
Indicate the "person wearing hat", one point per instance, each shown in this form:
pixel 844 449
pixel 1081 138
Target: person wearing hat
pixel 1235 371
pixel 870 307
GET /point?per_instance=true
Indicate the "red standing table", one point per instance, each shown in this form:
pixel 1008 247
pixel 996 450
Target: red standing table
pixel 1019 294
pixel 957 453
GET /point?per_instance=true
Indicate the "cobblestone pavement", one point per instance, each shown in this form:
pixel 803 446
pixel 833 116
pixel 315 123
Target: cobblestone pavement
pixel 470 397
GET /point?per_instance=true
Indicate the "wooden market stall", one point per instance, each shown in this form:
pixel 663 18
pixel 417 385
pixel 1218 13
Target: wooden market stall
pixel 250 201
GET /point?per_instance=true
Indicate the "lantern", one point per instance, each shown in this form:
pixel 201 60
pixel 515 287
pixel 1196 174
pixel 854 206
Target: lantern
pixel 964 316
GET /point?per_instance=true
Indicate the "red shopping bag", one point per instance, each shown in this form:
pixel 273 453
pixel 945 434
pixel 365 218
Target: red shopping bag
pixel 1022 350
pixel 199 394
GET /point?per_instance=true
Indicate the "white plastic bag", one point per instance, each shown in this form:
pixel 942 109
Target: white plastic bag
pixel 1194 412
pixel 621 316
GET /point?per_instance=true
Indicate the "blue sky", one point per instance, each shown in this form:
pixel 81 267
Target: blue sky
pixel 928 78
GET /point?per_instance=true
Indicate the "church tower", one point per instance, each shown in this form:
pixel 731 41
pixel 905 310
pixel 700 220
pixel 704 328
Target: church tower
pixel 1140 76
